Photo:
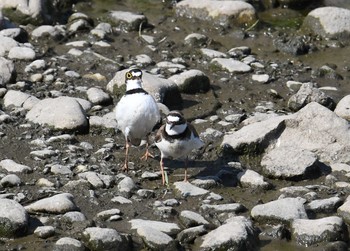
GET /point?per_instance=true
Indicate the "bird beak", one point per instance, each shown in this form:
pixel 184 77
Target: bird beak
pixel 171 126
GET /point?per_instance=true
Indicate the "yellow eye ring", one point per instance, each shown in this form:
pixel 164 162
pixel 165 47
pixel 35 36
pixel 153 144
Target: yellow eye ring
pixel 128 75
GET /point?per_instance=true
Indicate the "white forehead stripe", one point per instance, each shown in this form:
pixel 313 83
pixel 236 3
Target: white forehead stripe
pixel 136 73
pixel 173 118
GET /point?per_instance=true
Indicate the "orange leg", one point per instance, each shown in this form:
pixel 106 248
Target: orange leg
pixel 162 170
pixel 186 164
pixel 147 153
pixel 126 163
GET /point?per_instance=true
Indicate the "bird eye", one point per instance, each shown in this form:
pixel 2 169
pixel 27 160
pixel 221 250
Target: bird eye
pixel 128 75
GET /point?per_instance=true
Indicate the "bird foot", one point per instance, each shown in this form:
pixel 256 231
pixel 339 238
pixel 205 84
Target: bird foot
pixel 125 168
pixel 146 155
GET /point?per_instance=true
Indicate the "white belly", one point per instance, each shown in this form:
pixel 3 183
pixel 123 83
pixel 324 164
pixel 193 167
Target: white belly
pixel 136 115
pixel 178 148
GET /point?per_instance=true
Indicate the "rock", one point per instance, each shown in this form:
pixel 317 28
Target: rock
pixel 10 180
pixel 223 13
pixel 163 90
pixel 57 204
pixel 309 93
pixel 237 233
pixel 187 189
pixel 250 178
pixel 19 99
pixel 196 40
pixel 188 235
pixel 155 239
pixel 280 211
pixel 22 53
pixel 121 200
pixel 231 65
pixel 48 31
pixel 62 113
pixel 13 219
pixel 106 121
pixel 6 44
pixel 191 81
pixel 344 210
pixel 167 228
pixel 44 231
pixel 68 244
pixel 310 232
pixel 223 208
pixel 38 11
pixel 343 108
pixel 254 137
pixel 108 239
pixel 210 54
pixel 107 214
pixel 261 78
pixel 126 186
pixel 192 219
pixel 7 70
pixel 13 167
pixel 98 97
pixel 325 206
pixel 291 163
pixel 127 21
pixel 328 22
pixel 294 45
pixel 74 217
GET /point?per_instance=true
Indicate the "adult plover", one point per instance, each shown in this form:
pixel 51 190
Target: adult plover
pixel 176 139
pixel 136 113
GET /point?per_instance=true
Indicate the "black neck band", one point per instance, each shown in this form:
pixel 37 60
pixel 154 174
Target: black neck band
pixel 137 90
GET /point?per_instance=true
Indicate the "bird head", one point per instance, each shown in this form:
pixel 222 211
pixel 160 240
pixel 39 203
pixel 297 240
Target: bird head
pixel 175 123
pixel 133 79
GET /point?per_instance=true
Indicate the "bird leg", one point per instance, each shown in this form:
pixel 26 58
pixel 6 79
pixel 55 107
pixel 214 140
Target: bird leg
pixel 147 153
pixel 162 170
pixel 126 163
pixel 186 164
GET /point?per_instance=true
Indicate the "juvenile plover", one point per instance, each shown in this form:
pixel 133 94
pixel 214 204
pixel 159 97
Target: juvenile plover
pixel 176 139
pixel 136 113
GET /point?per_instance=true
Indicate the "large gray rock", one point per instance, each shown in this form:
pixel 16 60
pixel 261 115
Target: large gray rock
pixel 155 239
pixel 329 22
pixel 343 108
pixel 308 93
pixel 62 113
pixel 191 81
pixel 13 218
pixel 163 90
pixel 107 239
pixel 165 227
pixel 127 20
pixel 237 233
pixel 280 211
pixel 57 204
pixel 315 134
pixel 13 167
pixel 36 11
pixel 220 12
pixel 19 99
pixel 7 70
pixel 310 232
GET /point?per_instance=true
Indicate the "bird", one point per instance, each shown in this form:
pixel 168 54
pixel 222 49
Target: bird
pixel 136 114
pixel 176 139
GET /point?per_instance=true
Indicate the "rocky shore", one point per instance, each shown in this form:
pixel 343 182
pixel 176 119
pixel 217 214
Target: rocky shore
pixel 265 83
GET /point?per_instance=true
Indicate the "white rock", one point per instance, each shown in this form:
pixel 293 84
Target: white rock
pixel 231 65
pixel 13 167
pixel 155 239
pixel 57 204
pixel 61 113
pixel 13 218
pixel 236 234
pixel 21 53
pixel 283 210
pixel 168 228
pixel 310 232
pixel 67 243
pixel 187 189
